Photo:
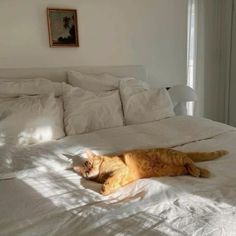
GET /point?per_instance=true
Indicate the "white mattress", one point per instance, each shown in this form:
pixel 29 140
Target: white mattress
pixel 39 195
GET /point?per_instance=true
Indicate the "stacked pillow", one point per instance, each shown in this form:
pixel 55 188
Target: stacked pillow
pixel 37 110
pixel 29 120
pixel 94 103
pixel 91 82
pixel 91 107
pixel 142 104
pixel 15 87
pixel 29 111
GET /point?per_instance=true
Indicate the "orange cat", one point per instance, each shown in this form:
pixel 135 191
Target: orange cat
pixel 116 171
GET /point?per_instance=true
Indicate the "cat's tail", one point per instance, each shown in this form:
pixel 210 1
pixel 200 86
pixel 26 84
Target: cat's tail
pixel 206 156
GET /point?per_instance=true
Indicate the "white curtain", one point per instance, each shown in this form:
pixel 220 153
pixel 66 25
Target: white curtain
pixel 204 55
pixel 192 50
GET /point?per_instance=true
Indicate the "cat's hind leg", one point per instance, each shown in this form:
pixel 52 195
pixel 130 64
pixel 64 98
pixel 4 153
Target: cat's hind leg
pixel 169 170
pixel 197 171
pixel 193 170
pixel 204 173
pixel 173 157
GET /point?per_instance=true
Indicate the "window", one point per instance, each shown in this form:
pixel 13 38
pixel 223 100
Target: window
pixel 191 50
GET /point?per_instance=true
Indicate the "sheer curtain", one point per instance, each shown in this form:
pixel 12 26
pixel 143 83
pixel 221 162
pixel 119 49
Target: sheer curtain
pixel 204 56
pixel 192 49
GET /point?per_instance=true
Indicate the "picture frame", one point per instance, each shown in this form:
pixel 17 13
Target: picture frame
pixel 62 27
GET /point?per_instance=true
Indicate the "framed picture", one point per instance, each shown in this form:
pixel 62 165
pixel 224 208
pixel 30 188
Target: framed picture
pixel 62 27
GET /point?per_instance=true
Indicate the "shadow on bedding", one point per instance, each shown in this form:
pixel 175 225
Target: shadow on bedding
pixel 59 205
pixel 23 210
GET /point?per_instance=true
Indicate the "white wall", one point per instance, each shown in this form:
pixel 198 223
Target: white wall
pixel 112 32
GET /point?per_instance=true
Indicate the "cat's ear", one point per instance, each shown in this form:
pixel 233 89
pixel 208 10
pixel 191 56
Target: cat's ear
pixel 90 154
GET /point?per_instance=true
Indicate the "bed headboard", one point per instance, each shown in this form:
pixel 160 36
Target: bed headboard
pixel 58 74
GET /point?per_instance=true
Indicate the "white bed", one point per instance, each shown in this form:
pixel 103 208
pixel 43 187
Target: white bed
pixel 40 195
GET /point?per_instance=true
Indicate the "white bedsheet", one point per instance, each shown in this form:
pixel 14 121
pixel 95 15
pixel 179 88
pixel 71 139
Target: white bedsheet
pixel 43 198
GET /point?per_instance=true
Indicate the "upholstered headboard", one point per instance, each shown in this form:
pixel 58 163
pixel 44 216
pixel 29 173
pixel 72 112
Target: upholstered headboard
pixel 59 74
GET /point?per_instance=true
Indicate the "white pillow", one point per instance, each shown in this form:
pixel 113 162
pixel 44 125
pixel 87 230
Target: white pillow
pixel 141 104
pixel 85 111
pixel 92 82
pixel 30 119
pixel 14 87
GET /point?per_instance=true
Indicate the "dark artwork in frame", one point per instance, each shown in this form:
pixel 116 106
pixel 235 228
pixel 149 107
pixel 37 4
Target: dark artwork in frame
pixel 62 27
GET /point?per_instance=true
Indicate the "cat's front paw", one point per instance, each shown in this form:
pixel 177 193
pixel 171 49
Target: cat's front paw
pixel 105 191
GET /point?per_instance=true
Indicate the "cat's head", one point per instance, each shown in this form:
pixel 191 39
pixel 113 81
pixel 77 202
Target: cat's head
pixel 91 167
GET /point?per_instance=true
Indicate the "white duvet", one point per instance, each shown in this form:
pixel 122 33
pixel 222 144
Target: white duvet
pixel 40 195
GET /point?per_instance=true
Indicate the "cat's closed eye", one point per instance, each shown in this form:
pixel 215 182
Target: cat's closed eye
pixel 87 165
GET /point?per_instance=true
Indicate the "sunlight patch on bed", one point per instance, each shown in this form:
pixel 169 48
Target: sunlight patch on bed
pixel 155 204
pixel 62 190
pixel 2 139
pixel 51 164
pixel 40 134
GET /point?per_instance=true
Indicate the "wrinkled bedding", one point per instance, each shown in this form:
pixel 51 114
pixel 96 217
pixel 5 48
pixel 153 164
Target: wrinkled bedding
pixel 41 195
